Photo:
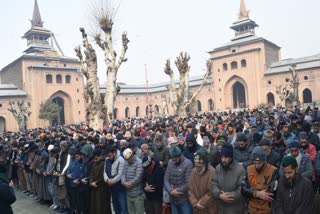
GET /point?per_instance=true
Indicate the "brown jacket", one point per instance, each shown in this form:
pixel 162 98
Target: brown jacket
pixel 200 190
pixel 257 181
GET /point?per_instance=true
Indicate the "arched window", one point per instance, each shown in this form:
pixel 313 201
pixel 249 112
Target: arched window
pixel 59 79
pixel 210 105
pixel 49 78
pixel 156 108
pixel 115 113
pixel 307 96
pixel 126 113
pixel 243 63
pixel 68 79
pixel 270 99
pixel 199 105
pixel 147 110
pixel 225 66
pixel 137 111
pixel 234 65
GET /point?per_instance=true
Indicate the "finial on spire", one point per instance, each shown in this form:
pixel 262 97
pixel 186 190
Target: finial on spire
pixel 36 17
pixel 244 13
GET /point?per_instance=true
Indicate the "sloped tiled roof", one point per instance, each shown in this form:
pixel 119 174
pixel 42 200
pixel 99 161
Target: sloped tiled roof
pixel 8 90
pixel 153 88
pixel 302 63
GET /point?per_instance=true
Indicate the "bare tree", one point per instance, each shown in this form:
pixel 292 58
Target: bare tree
pixel 165 110
pixel 20 112
pixel 283 91
pixel 294 84
pixel 180 99
pixel 99 110
pixel 89 67
pixel 104 39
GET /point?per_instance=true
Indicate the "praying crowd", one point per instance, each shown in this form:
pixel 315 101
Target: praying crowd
pixel 257 161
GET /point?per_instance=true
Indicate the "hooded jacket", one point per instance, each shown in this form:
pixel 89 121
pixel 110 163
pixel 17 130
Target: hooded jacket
pixel 188 152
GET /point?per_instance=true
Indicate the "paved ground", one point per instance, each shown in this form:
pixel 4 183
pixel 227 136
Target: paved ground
pixel 26 205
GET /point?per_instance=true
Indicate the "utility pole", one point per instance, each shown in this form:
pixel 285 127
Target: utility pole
pixel 147 86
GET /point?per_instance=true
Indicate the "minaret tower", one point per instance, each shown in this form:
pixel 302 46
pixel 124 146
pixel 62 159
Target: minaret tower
pixel 244 26
pixel 38 37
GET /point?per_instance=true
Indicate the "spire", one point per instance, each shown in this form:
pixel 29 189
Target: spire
pixel 244 13
pixel 36 17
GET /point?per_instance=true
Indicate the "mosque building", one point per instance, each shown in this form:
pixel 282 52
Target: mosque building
pixel 245 74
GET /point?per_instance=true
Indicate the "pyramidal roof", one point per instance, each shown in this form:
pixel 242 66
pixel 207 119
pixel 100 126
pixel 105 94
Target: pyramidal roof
pixel 36 17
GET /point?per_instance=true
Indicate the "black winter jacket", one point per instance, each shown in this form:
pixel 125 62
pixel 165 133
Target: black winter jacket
pixel 7 197
pixel 296 198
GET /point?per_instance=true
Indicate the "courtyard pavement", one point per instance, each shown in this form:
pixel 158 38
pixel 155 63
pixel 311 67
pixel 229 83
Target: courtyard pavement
pixel 27 205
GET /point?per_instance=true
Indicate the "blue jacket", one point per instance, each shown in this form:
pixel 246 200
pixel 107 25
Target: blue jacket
pixel 76 173
pixel 70 169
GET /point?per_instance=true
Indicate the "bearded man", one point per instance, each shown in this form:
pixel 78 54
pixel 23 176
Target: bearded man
pixel 295 192
pixel 113 170
pixel 200 195
pixel 226 185
pixel 260 183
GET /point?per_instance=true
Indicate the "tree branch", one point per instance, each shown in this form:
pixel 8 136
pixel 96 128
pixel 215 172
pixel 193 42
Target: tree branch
pixel 205 77
pixel 125 42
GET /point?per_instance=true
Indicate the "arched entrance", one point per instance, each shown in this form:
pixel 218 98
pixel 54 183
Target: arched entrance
pixel 115 113
pixel 270 99
pixel 2 124
pixel 137 111
pixel 210 105
pixel 239 95
pixel 60 120
pixel 307 96
pixel 199 106
pixel 67 111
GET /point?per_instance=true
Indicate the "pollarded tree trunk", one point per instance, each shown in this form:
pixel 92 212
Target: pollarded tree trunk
pixel 283 92
pixel 113 64
pixel 205 78
pixel 183 99
pixel 172 86
pixel 20 112
pixel 89 67
pixel 294 84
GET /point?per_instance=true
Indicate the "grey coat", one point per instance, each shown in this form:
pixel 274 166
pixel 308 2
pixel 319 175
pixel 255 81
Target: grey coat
pixel 243 156
pixel 133 173
pixel 229 180
pixel 116 169
pixel 177 176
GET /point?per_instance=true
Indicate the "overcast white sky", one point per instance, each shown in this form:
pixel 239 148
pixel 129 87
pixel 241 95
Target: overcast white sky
pixel 160 29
